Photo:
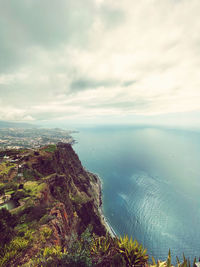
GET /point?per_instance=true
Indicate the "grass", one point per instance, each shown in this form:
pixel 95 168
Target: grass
pixel 10 192
pixel 34 188
pixel 16 246
pixel 23 150
pixel 50 148
pixel 32 191
pixel 5 167
pixel 45 234
pixel 79 198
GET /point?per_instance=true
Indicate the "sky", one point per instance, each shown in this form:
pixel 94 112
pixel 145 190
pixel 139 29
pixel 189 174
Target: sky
pixel 100 61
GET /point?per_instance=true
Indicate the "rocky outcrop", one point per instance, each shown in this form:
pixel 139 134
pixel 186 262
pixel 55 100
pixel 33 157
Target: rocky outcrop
pixel 60 223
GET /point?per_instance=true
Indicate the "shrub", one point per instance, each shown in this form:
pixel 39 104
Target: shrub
pixel 28 174
pixel 45 233
pixel 19 194
pixel 79 251
pixel 133 253
pixel 5 167
pixel 7 223
pixel 54 251
pixel 16 246
pixel 49 256
pixel 168 263
pixel 100 245
pixel 32 213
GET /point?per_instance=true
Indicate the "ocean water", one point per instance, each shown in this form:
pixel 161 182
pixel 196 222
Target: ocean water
pixel 151 184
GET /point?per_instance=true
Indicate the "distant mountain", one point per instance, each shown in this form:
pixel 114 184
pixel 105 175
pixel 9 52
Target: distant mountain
pixel 8 124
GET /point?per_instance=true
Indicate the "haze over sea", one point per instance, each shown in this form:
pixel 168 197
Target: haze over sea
pixel 151 184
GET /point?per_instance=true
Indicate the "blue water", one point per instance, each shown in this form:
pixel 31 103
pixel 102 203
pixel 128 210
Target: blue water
pixel 151 184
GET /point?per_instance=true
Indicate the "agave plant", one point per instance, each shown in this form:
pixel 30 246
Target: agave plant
pixel 101 245
pixel 133 252
pixel 168 262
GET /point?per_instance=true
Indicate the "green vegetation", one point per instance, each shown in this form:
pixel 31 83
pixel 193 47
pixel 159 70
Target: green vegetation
pixel 28 174
pixel 49 256
pixel 15 248
pixel 5 167
pixel 76 255
pixel 8 188
pixel 101 245
pixel 167 263
pixel 133 253
pixel 79 198
pixel 45 233
pixel 50 148
pixel 11 244
pixel 7 223
pixel 34 188
pixel 118 252
pixel 79 250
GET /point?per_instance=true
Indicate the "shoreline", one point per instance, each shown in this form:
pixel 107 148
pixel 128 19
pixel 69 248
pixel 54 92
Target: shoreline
pixel 104 221
pixel 100 208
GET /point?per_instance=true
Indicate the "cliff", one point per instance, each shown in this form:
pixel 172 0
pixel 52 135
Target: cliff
pixel 52 192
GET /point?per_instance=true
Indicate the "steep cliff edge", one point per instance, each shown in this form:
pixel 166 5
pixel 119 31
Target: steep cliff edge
pixel 55 197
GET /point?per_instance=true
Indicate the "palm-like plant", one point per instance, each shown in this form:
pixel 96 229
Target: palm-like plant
pixel 133 252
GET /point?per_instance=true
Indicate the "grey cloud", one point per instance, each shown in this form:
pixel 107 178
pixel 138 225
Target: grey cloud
pixel 84 84
pixel 28 23
pixel 112 16
pixel 24 95
pixel 124 105
pixel 49 50
pixel 129 83
pixel 52 115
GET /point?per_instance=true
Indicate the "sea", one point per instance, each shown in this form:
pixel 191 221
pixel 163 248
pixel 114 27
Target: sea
pixel 151 184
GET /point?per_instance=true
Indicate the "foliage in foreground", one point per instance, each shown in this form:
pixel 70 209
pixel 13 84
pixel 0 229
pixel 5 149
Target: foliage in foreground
pixel 85 251
pixel 168 262
pixel 90 250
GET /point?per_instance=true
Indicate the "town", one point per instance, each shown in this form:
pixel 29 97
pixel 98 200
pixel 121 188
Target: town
pixel 19 138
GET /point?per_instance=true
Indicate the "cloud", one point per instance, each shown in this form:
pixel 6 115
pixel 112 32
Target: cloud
pixel 84 84
pixel 83 59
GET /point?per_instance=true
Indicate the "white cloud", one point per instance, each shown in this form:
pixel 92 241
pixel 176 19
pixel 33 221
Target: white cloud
pixel 131 57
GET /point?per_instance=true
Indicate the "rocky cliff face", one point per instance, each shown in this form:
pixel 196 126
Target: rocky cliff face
pixel 53 190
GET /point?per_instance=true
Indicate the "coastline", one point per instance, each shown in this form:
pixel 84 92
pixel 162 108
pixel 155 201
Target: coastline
pixel 100 209
pixel 104 221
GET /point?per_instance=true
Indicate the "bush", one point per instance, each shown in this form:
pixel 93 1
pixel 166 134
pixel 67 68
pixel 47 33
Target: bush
pixel 32 213
pixel 28 174
pixel 79 251
pixel 16 246
pixel 19 194
pixel 45 233
pixel 7 223
pixel 133 253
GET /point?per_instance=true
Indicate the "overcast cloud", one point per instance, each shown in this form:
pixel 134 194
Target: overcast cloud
pixel 95 59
